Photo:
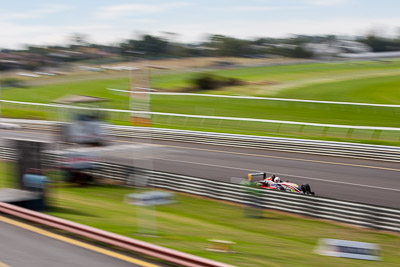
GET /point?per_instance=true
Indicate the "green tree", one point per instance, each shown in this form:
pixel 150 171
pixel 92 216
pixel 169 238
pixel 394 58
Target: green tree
pixel 379 43
pixel 149 45
pixel 229 47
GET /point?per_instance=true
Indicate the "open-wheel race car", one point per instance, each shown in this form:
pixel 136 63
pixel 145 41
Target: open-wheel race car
pixel 275 183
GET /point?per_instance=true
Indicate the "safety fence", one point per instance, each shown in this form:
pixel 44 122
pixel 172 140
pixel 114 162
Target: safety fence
pixel 252 126
pixel 256 98
pixel 341 149
pixel 364 215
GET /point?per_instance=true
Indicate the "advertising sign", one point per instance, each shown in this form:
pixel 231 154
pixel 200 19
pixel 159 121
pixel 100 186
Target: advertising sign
pixel 151 198
pixel 348 249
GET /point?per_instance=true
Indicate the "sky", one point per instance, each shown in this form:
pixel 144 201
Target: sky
pixel 51 22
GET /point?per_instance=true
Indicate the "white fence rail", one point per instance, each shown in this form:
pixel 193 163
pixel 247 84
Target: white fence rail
pixel 208 117
pixel 258 98
pixel 222 123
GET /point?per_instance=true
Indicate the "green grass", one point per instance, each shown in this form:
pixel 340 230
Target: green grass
pixel 7 174
pixel 380 89
pixel 49 93
pixel 383 90
pixel 24 114
pixel 275 240
pixel 278 110
pixel 284 73
pixel 246 108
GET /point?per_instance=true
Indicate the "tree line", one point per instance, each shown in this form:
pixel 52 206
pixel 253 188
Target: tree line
pixel 150 46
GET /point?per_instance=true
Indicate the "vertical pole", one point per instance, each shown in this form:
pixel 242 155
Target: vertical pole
pixel 1 98
pixel 325 131
pixel 350 132
pixel 131 85
pixel 131 116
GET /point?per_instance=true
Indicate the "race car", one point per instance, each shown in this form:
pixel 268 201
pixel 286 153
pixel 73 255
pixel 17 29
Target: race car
pixel 274 183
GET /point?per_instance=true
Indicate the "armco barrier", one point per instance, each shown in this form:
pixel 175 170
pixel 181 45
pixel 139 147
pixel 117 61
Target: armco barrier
pixel 318 207
pixel 131 244
pixel 364 215
pixel 340 149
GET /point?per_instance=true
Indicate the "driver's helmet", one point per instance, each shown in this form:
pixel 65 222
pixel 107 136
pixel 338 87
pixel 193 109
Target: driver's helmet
pixel 277 180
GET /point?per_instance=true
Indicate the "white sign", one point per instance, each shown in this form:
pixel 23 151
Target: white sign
pixel 348 249
pixel 151 198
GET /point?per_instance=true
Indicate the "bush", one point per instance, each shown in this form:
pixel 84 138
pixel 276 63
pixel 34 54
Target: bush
pixel 207 81
pixel 12 82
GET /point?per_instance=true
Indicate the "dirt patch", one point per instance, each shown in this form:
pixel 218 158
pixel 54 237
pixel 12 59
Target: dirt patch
pixel 207 62
pixel 263 83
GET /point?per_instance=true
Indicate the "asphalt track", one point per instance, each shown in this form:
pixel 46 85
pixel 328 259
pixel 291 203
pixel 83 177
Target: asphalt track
pixel 23 245
pixel 365 181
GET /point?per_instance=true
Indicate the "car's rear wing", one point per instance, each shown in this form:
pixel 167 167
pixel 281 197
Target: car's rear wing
pixel 251 175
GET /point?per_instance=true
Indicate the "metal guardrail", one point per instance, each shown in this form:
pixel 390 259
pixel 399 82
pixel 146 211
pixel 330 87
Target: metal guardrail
pixel 364 215
pixel 169 255
pixel 354 213
pixel 340 149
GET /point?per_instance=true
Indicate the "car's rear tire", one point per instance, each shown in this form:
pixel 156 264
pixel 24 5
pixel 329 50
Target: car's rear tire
pixel 306 189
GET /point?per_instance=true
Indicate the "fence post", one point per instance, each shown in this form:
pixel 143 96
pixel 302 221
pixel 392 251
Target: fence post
pixel 279 127
pixel 376 134
pixel 350 133
pixel 325 131
pixel 301 129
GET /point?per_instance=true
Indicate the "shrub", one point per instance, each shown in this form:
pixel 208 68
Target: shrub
pixel 12 82
pixel 207 81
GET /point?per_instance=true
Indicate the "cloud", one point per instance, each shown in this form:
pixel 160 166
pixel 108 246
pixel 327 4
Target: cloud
pixel 129 18
pixel 17 36
pixel 258 8
pixel 117 11
pixel 243 29
pixel 35 13
pixel 327 2
pixel 13 34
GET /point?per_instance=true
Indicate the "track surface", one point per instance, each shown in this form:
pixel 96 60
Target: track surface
pixel 366 181
pixel 23 248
